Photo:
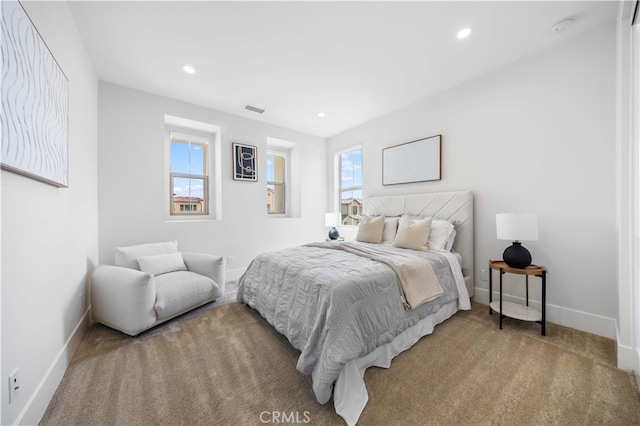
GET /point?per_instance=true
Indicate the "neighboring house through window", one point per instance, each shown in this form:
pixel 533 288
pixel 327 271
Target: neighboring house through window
pixel 350 191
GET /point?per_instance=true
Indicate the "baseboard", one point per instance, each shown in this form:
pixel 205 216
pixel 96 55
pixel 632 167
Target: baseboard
pixel 628 358
pixel 583 321
pixel 40 399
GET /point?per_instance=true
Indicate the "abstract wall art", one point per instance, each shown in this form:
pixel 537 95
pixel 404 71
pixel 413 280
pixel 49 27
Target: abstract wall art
pixel 35 102
pixel 244 162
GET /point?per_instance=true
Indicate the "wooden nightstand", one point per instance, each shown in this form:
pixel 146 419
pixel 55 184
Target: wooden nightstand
pixel 516 310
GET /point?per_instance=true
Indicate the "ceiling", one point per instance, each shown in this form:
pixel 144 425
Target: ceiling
pixel 352 61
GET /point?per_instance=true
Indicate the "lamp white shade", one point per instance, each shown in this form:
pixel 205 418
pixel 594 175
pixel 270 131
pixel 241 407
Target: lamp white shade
pixel 517 226
pixel 330 219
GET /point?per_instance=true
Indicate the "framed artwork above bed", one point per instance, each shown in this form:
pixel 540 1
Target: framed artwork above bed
pixel 415 161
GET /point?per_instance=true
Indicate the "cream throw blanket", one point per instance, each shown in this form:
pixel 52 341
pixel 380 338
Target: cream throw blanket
pixel 418 281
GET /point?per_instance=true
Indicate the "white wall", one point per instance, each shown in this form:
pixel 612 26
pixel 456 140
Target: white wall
pixel 132 177
pixel 50 238
pixel 535 136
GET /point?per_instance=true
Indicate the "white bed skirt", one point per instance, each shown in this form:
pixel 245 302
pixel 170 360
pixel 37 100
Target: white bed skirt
pixel 350 393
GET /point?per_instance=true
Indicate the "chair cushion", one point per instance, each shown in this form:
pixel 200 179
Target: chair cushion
pixel 128 256
pixel 178 292
pixel 162 263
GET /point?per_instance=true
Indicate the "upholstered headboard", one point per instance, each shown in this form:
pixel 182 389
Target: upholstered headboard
pixel 455 206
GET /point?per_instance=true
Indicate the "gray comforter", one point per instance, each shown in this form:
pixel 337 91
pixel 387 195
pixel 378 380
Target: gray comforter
pixel 335 306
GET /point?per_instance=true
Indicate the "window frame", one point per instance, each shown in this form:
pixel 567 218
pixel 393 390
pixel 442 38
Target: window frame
pixel 339 188
pixel 205 143
pixel 285 174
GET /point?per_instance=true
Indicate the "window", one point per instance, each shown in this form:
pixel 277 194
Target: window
pixel 276 181
pixel 189 179
pixel 192 170
pixel 350 192
pixel 284 189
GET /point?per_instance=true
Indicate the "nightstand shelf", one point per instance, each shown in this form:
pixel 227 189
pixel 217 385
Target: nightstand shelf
pixel 517 310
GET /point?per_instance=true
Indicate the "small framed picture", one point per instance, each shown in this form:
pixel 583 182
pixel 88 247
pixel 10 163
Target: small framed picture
pixel 245 162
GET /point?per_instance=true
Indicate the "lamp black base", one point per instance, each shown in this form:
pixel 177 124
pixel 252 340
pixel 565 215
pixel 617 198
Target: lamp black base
pixel 333 233
pixel 517 256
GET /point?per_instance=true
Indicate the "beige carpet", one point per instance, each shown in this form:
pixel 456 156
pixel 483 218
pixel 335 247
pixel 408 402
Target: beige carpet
pixel 224 365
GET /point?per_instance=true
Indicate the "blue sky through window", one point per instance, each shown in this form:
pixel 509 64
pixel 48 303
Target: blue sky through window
pixel 187 158
pixel 270 171
pixel 351 174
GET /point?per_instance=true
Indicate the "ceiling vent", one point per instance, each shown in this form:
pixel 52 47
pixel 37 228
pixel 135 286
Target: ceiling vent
pixel 254 109
pixel 562 26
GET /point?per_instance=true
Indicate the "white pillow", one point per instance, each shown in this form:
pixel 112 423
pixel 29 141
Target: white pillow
pixel 370 230
pixel 390 229
pixel 162 263
pixel 439 236
pixel 413 234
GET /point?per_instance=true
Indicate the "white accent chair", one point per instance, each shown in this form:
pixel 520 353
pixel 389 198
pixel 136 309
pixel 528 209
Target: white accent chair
pixel 152 283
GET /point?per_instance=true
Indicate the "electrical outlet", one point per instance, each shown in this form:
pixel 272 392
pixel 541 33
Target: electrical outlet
pixel 484 275
pixel 229 260
pixel 14 385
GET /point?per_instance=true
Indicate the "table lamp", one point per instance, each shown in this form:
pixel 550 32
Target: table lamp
pixel 516 227
pixel 330 219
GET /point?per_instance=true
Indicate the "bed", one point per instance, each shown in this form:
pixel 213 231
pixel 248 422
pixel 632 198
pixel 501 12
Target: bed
pixel 347 306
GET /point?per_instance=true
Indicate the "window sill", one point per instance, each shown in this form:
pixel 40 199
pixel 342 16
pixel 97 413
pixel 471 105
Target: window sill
pixel 190 220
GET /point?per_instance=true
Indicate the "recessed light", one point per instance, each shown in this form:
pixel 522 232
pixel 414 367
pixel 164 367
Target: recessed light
pixel 463 33
pixel 321 114
pixel 189 69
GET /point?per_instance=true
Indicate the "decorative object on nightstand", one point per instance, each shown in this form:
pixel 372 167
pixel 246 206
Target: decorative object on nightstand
pixel 516 310
pixel 330 220
pixel 516 227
